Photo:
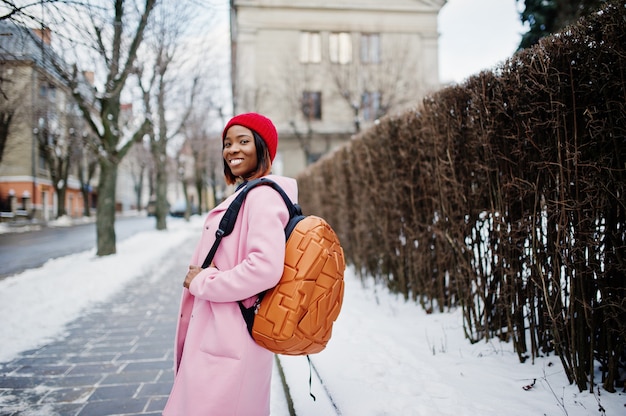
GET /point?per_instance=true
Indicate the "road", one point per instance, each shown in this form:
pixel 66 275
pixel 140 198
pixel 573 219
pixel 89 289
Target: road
pixel 22 251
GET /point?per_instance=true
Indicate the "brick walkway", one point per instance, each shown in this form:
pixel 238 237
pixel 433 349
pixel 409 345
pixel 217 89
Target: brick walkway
pixel 114 360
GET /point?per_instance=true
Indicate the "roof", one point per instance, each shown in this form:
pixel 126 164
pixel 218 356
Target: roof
pixel 19 43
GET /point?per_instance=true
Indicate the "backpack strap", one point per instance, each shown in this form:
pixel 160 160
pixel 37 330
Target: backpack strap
pixel 227 224
pixel 294 209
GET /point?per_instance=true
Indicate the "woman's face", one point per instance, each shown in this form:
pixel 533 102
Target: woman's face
pixel 239 151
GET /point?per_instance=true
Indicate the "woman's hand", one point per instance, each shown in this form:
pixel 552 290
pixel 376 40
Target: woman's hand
pixel 191 273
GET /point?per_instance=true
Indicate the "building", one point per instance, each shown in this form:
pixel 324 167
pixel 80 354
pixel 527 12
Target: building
pixel 322 71
pixel 41 130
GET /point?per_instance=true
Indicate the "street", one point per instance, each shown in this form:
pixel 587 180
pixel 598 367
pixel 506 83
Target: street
pixel 22 251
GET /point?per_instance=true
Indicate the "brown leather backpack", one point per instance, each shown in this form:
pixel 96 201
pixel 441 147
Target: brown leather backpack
pixel 296 316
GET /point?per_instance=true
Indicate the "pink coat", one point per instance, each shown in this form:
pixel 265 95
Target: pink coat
pixel 219 369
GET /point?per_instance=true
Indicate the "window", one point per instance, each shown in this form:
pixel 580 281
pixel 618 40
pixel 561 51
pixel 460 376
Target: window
pixel 340 48
pixel 47 91
pixel 371 105
pixel 370 48
pixel 310 47
pixel 312 105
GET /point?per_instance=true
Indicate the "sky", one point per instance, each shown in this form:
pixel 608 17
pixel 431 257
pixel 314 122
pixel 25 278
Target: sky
pixel 386 356
pixel 476 35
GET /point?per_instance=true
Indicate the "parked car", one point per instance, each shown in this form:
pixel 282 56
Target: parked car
pixel 151 207
pixel 178 209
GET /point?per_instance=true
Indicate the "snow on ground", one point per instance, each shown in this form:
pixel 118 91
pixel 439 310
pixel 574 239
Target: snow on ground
pixel 386 356
pixel 36 304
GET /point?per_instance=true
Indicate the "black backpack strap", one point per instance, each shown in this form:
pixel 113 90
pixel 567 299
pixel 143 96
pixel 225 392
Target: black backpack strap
pixel 294 209
pixel 227 224
pixel 295 212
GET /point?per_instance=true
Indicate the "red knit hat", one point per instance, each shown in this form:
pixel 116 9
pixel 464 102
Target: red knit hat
pixel 261 125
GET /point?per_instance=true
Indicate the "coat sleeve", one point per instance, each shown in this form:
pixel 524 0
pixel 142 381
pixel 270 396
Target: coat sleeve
pixel 265 216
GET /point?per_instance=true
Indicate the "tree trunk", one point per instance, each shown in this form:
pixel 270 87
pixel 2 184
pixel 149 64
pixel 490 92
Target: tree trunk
pixel 60 191
pixel 187 203
pixel 85 175
pixel 105 215
pixel 5 124
pixel 161 194
pixel 84 190
pixel 214 190
pixel 138 189
pixel 64 169
pixel 202 196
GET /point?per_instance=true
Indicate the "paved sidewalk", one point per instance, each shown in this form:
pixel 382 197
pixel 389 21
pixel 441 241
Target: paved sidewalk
pixel 114 360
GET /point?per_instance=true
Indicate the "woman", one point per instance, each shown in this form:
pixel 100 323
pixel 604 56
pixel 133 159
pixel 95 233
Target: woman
pixel 219 369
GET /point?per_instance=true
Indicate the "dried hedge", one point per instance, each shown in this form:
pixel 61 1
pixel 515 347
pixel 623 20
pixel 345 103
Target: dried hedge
pixel 504 196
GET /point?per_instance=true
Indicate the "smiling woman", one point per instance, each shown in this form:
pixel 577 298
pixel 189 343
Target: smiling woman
pixel 219 368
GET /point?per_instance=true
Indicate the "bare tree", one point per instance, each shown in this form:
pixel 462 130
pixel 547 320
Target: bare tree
pixel 111 38
pixel 157 83
pixel 63 144
pixel 56 142
pixel 372 85
pixel 107 36
pixel 298 78
pixel 140 167
pixel 206 152
pixel 86 157
pixel 25 11
pixel 376 85
pixel 6 116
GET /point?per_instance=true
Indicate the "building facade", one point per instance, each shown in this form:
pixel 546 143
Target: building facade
pixel 322 71
pixel 40 123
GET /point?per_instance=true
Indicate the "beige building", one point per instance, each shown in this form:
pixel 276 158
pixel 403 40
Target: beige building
pixel 38 115
pixel 322 71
